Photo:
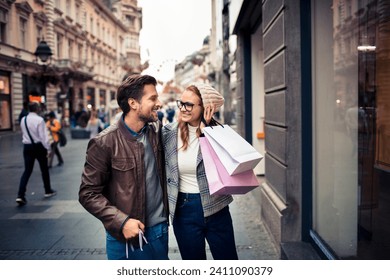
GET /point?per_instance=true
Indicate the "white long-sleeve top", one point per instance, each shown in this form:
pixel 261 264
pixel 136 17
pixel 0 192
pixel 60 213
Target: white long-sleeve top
pixel 38 130
pixel 187 162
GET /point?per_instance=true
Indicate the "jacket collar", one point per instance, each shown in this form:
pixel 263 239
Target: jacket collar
pixel 149 127
pixel 125 132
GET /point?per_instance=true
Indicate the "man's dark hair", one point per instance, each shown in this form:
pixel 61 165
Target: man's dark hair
pixel 132 87
pixel 33 107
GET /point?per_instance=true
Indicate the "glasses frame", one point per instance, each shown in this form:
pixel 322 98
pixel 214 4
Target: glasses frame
pixel 180 104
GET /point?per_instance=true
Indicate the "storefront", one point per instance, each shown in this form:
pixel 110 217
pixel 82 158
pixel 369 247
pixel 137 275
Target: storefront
pixel 5 101
pixel 351 128
pixel 327 123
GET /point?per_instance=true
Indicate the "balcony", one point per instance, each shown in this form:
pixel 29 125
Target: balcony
pixel 74 69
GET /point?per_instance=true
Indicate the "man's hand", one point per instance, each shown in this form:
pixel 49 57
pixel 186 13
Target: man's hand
pixel 132 227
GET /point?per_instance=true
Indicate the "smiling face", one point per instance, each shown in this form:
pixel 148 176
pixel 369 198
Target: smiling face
pixel 148 106
pixel 193 117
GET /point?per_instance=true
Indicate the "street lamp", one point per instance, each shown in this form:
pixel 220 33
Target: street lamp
pixel 43 51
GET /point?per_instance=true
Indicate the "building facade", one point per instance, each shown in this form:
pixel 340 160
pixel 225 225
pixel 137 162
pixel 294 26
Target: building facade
pixel 94 44
pixel 323 71
pixel 196 67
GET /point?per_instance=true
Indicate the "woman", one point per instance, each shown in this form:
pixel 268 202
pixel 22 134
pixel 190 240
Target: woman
pixel 94 125
pixel 54 127
pixel 196 215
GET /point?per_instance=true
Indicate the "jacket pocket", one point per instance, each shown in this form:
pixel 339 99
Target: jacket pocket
pixel 123 164
pixel 124 173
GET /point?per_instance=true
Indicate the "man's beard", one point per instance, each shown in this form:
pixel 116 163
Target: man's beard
pixel 147 118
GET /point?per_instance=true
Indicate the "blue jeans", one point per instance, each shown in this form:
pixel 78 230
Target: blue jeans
pixel 192 230
pixel 155 249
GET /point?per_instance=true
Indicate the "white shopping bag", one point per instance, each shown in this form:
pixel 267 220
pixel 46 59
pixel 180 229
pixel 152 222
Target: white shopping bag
pixel 235 153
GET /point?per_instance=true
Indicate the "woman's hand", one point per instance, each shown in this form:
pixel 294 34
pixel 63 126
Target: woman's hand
pixel 208 113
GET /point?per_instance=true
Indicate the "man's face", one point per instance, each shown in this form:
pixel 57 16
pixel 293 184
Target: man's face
pixel 149 105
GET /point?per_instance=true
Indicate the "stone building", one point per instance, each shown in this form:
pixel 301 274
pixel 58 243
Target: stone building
pixel 93 44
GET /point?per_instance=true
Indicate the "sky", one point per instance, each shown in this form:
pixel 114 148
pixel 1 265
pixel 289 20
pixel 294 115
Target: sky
pixel 171 30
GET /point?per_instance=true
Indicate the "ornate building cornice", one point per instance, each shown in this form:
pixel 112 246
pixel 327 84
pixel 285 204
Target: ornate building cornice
pixel 6 4
pixel 41 17
pixel 24 7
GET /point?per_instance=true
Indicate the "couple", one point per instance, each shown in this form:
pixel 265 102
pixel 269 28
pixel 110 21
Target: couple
pixel 127 181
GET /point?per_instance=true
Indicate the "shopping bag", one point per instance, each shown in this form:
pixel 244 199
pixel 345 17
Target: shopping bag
pixel 220 182
pixel 62 138
pixel 235 153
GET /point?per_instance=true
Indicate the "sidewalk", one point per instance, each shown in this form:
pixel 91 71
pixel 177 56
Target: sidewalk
pixel 59 228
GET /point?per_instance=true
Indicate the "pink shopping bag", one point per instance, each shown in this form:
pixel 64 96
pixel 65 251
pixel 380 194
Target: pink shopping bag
pixel 235 153
pixel 220 182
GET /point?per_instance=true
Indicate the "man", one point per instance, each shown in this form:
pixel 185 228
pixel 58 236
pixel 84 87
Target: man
pixel 123 182
pixel 36 146
pixel 24 111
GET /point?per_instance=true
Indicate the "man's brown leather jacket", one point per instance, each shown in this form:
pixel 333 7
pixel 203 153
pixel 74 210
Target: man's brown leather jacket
pixel 113 181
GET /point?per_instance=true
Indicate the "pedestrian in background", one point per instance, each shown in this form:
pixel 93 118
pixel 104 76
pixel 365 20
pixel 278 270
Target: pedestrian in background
pixel 160 116
pixel 54 126
pixel 81 117
pixel 117 116
pixel 123 183
pixel 24 111
pixel 170 114
pixel 196 215
pixel 94 125
pixel 36 146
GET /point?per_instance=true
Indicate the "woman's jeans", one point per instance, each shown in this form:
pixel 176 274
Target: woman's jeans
pixel 156 247
pixel 192 230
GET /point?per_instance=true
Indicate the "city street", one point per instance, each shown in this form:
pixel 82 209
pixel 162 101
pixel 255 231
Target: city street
pixel 59 228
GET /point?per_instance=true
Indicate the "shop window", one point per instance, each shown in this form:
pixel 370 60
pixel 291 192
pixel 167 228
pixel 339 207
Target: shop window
pixel 5 103
pixel 351 131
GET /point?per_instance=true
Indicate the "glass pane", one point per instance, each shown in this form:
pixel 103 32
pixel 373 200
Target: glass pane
pixel 5 114
pixel 351 129
pixel 4 85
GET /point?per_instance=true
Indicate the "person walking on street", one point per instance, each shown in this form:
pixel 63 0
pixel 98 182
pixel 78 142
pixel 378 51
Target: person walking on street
pixel 24 111
pixel 36 146
pixel 123 183
pixel 196 215
pixel 54 126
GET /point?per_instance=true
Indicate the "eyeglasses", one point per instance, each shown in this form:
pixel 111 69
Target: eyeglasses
pixel 188 106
